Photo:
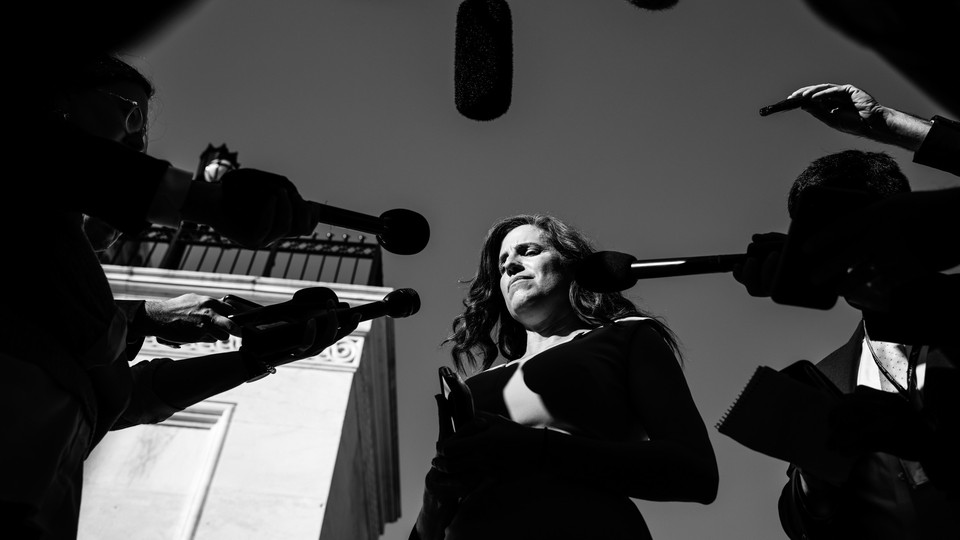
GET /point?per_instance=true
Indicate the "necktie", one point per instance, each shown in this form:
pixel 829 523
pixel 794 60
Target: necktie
pixel 892 357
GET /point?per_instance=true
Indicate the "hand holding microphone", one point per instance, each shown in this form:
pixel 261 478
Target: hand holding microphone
pixel 256 208
pixel 759 267
pixel 306 324
pixel 251 207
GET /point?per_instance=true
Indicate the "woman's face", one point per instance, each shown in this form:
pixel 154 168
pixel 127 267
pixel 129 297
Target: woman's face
pixel 532 281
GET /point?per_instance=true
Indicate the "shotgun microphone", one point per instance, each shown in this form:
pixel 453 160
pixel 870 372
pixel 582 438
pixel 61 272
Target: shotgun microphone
pixel 396 305
pixel 483 59
pixel 654 5
pixel 399 231
pixel 612 271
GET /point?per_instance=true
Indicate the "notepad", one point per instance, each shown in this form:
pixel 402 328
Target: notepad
pixel 786 415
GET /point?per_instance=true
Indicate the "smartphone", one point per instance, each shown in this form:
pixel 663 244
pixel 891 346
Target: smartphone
pixel 458 396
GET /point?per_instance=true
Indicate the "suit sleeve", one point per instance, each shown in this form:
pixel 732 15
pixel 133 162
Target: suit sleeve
pixel 133 310
pixel 941 147
pixel 145 406
pixel 89 175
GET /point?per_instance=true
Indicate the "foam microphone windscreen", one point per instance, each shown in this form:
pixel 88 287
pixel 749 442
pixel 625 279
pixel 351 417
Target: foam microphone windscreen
pixel 483 59
pixel 654 5
pixel 606 271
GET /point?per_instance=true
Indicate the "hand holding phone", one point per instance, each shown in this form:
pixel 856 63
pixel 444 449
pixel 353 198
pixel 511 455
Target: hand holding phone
pixel 458 396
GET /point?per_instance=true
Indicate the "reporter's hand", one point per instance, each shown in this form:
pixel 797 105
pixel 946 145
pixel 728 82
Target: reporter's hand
pixel 253 208
pixel 849 109
pixel 843 107
pixel 189 318
pixel 291 341
pixel 760 267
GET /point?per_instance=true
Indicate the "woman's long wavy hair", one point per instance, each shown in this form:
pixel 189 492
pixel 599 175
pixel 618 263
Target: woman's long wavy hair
pixel 485 328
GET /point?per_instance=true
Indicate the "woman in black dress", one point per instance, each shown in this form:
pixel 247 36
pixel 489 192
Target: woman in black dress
pixel 591 408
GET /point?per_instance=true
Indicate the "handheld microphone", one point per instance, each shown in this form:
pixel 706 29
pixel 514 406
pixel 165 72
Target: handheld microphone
pixel 483 59
pixel 305 304
pixel 313 302
pixel 399 231
pixel 612 271
pixel 785 105
pixel 396 305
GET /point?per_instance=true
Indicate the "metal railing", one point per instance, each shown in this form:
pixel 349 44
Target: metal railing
pixel 200 248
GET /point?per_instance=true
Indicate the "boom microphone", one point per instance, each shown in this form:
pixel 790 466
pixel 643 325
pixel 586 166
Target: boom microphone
pixel 611 271
pixel 399 231
pixel 483 59
pixel 654 5
pixel 396 305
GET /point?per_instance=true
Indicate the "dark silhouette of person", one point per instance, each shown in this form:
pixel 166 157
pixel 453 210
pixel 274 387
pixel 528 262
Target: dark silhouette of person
pixel 900 486
pixel 914 231
pixel 65 344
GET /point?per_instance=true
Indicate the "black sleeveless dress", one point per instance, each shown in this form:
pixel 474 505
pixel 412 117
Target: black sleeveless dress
pixel 579 388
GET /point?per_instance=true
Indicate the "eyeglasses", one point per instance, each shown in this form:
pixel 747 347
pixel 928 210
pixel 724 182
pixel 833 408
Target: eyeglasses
pixel 135 121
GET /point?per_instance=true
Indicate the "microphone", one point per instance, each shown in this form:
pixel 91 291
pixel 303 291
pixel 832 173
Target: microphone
pixel 612 271
pixel 281 333
pixel 305 304
pixel 654 5
pixel 399 231
pixel 312 302
pixel 483 59
pixel 396 305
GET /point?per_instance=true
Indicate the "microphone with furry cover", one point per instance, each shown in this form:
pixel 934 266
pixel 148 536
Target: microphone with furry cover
pixel 483 59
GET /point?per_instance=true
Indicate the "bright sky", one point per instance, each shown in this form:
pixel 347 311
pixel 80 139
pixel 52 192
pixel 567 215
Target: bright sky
pixel 641 128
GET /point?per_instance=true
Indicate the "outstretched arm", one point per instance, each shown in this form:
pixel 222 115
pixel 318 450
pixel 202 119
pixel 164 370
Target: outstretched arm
pixel 846 108
pixel 163 386
pixel 849 109
pixel 129 190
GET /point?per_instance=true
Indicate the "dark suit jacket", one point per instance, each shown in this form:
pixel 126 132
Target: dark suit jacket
pixel 879 501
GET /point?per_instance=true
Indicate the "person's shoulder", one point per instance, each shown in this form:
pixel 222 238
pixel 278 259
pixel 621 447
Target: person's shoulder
pixel 626 323
pixel 625 320
pixel 619 326
pixel 633 329
pixel 631 324
pixel 840 366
